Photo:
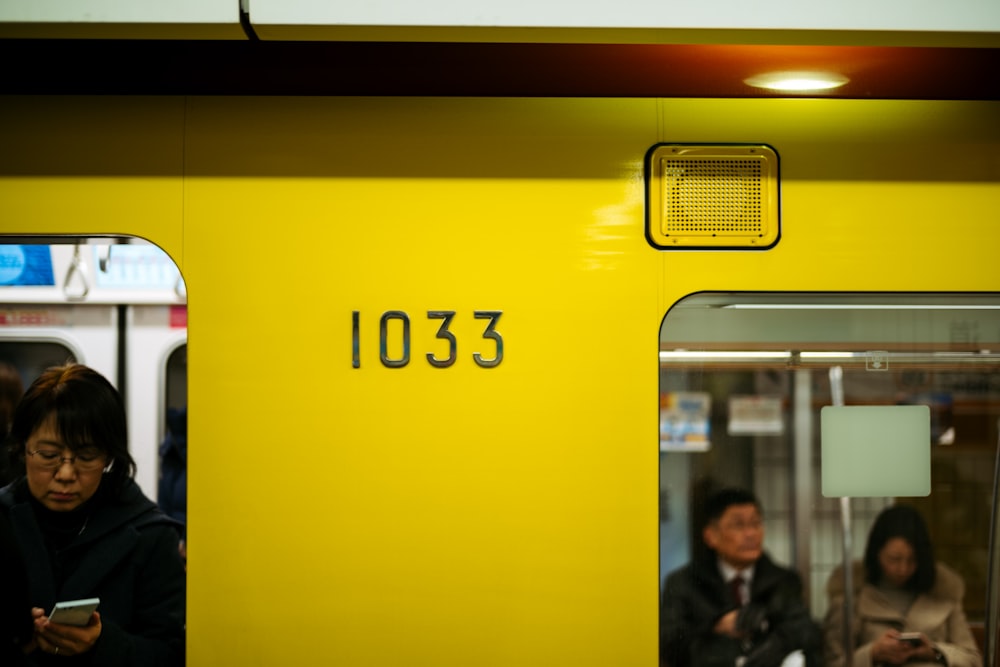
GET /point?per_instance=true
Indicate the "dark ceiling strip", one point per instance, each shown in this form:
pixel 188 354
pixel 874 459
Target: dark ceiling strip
pixel 478 69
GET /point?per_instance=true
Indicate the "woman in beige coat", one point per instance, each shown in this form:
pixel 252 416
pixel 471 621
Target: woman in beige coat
pixel 900 588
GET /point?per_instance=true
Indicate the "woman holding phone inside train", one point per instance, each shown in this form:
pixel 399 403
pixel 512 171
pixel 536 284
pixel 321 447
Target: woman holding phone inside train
pixel 86 530
pixel 907 607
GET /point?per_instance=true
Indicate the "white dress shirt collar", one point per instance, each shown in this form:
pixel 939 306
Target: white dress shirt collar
pixel 728 572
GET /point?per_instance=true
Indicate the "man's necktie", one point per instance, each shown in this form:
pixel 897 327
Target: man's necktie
pixel 736 590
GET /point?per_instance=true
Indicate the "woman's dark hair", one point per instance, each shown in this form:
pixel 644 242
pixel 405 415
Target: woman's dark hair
pixel 905 522
pixel 89 412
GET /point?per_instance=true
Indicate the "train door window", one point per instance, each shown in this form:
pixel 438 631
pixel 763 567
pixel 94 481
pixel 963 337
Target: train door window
pixel 172 480
pixel 21 361
pixel 176 378
pixel 29 358
pixel 743 382
pixel 117 305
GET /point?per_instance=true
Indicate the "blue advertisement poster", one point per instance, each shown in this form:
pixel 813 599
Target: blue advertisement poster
pixel 26 265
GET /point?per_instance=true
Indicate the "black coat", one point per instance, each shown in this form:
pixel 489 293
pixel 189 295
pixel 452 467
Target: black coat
pixel 127 555
pixel 15 607
pixel 695 597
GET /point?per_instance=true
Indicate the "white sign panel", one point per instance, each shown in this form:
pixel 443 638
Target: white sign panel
pixel 755 415
pixel 876 451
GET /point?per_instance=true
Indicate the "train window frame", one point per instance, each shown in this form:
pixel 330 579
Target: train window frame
pixel 700 346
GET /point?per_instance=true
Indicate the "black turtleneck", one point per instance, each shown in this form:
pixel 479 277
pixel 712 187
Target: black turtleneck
pixel 60 530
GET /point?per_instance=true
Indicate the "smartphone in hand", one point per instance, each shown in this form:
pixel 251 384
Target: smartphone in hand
pixel 912 638
pixel 74 612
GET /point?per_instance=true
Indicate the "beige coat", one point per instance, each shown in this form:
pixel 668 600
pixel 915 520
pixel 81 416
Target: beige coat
pixel 937 613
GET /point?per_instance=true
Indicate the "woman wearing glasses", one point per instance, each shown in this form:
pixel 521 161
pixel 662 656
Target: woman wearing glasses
pixel 86 530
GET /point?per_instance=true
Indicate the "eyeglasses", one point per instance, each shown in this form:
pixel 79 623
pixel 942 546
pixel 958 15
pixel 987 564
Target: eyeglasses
pixel 742 525
pixel 52 459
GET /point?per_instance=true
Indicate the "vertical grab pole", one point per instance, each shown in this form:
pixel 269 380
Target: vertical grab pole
pixel 992 577
pixel 845 524
pixel 837 396
pixel 802 494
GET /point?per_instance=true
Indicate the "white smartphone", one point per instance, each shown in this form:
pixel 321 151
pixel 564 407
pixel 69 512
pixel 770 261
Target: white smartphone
pixel 911 638
pixel 74 612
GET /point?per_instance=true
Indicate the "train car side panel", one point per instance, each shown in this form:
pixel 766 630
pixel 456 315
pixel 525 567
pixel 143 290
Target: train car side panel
pixel 354 509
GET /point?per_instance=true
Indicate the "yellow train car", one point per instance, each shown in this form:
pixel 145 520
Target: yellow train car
pixel 424 331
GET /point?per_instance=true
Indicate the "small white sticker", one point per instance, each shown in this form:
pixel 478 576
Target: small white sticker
pixel 877 360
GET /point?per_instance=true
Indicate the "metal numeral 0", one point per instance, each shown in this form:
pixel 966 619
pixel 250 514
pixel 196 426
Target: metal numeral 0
pixel 383 336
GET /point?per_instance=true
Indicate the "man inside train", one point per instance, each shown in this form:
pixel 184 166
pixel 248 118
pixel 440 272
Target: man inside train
pixel 731 605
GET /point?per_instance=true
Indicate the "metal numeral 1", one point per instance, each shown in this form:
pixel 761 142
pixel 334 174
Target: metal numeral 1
pixel 356 339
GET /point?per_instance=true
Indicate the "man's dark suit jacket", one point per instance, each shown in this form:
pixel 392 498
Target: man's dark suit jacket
pixel 776 619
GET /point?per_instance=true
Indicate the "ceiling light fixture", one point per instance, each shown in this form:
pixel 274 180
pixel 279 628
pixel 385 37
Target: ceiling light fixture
pixel 722 355
pixel 800 82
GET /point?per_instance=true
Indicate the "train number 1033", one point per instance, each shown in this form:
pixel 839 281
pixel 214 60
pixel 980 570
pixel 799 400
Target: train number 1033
pixel 446 317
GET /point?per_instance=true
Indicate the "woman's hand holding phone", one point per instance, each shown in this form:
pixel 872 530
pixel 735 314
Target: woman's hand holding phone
pixel 62 639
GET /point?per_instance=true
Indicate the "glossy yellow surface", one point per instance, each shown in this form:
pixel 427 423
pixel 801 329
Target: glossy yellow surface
pixel 462 516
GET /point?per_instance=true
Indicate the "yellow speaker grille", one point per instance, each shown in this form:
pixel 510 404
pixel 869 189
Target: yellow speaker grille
pixel 713 196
